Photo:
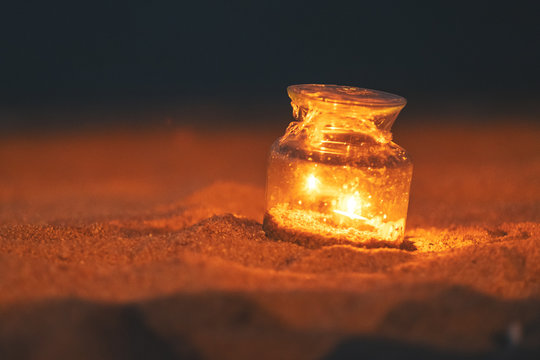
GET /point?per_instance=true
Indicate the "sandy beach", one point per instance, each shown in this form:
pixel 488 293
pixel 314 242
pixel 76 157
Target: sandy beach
pixel 149 244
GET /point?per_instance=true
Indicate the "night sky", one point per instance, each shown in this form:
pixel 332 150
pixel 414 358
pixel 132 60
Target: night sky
pixel 73 54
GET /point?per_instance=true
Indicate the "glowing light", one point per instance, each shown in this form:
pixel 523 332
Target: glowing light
pixel 353 207
pixel 312 183
pixel 351 204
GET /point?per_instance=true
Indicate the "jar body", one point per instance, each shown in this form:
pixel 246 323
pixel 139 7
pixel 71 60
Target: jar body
pixel 336 176
pixel 353 190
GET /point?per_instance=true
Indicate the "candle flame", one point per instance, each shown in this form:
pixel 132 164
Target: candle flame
pixel 312 183
pixel 352 207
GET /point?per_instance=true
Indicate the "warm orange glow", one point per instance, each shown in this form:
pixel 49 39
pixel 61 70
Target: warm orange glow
pixel 336 174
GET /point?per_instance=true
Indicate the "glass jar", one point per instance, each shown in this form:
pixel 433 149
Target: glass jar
pixel 336 177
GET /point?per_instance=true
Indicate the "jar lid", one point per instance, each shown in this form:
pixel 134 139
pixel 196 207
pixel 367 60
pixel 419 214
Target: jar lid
pixel 346 95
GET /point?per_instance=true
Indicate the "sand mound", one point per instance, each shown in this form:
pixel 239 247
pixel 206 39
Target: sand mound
pixel 194 275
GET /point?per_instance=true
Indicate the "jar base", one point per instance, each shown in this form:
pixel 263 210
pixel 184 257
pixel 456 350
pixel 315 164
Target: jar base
pixel 310 240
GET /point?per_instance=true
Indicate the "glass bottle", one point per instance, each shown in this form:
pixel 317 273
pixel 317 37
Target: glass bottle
pixel 336 177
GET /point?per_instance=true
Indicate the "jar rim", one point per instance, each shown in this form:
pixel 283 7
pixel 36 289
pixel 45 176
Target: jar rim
pixel 347 95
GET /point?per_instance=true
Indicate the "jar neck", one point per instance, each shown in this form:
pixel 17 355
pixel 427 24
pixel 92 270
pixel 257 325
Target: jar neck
pixel 341 116
pixel 352 116
pixel 340 125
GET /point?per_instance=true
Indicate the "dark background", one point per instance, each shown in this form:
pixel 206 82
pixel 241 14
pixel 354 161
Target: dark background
pixel 71 63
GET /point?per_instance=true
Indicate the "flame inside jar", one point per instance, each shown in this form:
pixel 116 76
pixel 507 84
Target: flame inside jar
pixel 336 176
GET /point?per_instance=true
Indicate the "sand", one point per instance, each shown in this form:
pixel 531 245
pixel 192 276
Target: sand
pixel 148 244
